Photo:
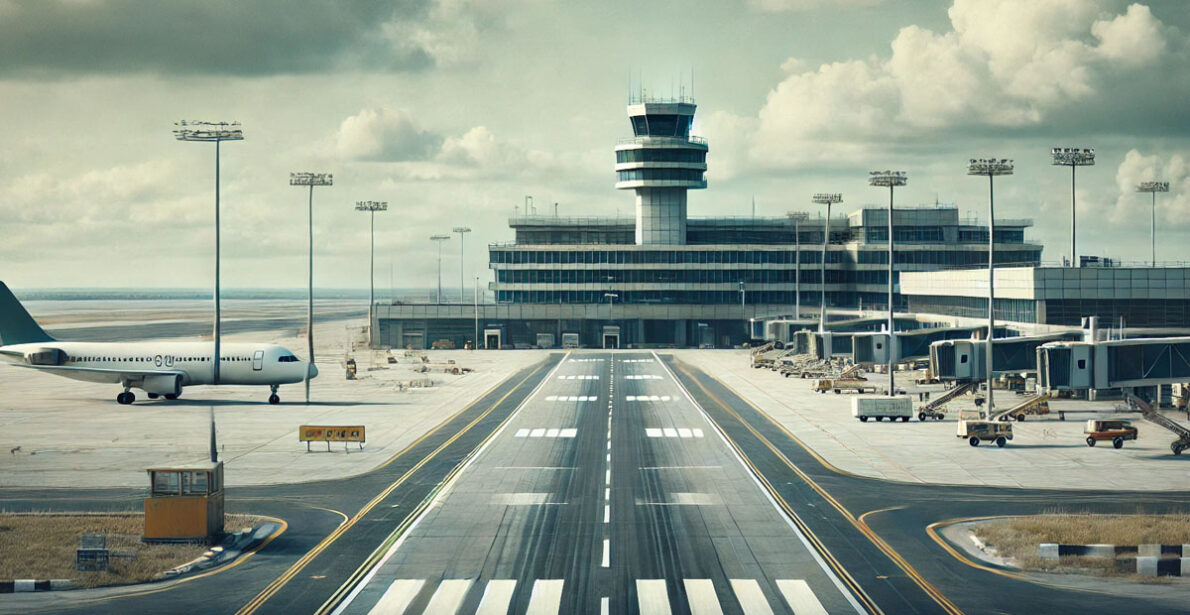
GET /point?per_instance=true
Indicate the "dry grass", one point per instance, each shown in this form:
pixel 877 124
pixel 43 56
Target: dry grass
pixel 1018 537
pixel 43 547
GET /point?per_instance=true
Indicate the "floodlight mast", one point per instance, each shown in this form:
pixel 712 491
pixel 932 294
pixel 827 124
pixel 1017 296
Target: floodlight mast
pixel 311 180
pixel 826 198
pixel 371 207
pixel 1073 157
pixel 891 179
pixel 1153 188
pixel 991 167
pixel 462 231
pixel 212 132
pixel 439 239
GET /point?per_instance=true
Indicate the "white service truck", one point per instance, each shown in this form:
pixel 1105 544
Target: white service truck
pixel 881 407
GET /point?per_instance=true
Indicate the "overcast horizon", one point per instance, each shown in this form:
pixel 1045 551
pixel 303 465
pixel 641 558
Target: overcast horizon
pixel 453 111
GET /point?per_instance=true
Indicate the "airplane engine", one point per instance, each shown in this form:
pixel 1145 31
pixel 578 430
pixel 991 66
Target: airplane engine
pixel 46 356
pixel 165 384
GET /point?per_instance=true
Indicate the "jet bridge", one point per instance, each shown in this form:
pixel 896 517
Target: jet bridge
pixel 1114 364
pixel 963 360
pixel 915 344
pixel 822 345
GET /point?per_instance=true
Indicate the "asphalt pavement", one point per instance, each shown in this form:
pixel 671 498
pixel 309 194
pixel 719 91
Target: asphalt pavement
pixel 595 484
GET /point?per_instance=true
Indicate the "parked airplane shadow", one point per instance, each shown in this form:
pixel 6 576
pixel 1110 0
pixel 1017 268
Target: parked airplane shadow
pixel 258 402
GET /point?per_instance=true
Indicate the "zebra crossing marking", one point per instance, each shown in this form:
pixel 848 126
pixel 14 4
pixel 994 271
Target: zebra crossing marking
pixel 448 597
pixel 652 597
pixel 398 596
pixel 546 596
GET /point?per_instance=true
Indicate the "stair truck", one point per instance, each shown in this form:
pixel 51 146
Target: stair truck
pixel 1038 404
pixel 936 408
pixel 1152 416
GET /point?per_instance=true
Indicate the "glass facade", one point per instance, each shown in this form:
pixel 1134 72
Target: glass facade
pixel 662 154
pixel 662 125
pixel 686 175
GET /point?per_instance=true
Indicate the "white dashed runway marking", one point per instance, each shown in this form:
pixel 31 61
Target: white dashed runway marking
pixel 648 398
pixel 670 432
pixel 542 432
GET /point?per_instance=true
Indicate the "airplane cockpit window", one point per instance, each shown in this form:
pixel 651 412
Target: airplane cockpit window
pixel 288 358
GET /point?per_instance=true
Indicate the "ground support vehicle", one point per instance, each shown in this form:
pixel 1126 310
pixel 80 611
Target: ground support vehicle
pixel 936 408
pixel 880 408
pixel 1034 405
pixel 1151 415
pixel 985 431
pixel 1115 430
pixel 838 385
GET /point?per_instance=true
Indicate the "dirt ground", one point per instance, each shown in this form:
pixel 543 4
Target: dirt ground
pixel 1018 537
pixel 43 547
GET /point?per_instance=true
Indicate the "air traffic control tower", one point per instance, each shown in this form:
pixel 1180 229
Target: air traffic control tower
pixel 661 162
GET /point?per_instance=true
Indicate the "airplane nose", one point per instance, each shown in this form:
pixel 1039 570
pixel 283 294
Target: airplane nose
pixel 313 371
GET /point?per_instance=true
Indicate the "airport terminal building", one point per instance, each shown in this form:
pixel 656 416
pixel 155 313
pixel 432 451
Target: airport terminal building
pixel 662 278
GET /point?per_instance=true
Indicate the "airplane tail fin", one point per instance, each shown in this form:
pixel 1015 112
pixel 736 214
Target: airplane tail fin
pixel 16 325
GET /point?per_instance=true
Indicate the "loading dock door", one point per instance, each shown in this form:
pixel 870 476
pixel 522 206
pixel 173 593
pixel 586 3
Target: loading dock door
pixel 491 339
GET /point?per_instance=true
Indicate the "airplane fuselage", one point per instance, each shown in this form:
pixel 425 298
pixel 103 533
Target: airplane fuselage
pixel 248 364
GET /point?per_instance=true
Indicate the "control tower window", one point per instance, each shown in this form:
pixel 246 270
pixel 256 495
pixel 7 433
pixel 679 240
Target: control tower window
pixel 662 125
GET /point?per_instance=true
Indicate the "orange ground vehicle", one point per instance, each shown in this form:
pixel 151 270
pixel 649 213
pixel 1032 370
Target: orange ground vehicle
pixel 1112 429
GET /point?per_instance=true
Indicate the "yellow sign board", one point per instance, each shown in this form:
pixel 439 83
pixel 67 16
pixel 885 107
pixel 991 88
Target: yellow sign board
pixel 331 433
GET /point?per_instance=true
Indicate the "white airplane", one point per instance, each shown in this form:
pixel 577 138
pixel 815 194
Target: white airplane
pixel 157 368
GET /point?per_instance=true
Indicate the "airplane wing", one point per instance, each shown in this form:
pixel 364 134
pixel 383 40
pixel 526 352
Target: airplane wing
pixel 101 375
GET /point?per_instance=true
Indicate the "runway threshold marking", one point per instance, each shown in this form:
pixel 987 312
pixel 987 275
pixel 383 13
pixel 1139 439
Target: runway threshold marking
pixel 345 594
pixel 936 595
pixel 301 564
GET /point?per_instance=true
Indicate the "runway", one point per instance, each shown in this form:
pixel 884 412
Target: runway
pixel 598 484
pixel 609 491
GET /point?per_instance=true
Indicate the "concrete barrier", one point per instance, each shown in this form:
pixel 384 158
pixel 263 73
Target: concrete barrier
pixel 1048 550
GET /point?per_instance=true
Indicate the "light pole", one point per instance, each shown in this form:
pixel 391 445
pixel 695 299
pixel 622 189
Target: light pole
pixel 1073 157
pixel 212 132
pixel 990 167
pixel 1153 188
pixel 891 179
pixel 311 180
pixel 439 239
pixel 827 199
pixel 797 217
pixel 462 231
pixel 475 344
pixel 371 207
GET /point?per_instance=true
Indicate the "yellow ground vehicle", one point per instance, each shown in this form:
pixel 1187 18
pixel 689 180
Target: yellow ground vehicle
pixel 838 385
pixel 985 431
pixel 1111 429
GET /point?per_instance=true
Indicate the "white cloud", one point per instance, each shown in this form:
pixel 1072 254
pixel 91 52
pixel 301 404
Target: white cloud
pixel 385 134
pixel 1011 63
pixel 1134 37
pixel 1173 209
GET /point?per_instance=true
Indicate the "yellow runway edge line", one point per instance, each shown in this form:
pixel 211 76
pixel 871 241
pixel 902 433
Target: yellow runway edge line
pixel 884 547
pixel 297 567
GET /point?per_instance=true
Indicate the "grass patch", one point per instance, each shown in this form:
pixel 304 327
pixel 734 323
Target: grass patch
pixel 43 547
pixel 1019 537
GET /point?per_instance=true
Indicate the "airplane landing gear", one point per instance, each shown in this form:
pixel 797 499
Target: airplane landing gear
pixel 171 396
pixel 153 396
pixel 125 398
pixel 274 399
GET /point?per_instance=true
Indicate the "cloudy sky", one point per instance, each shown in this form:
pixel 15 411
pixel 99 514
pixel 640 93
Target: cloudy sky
pixel 453 110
